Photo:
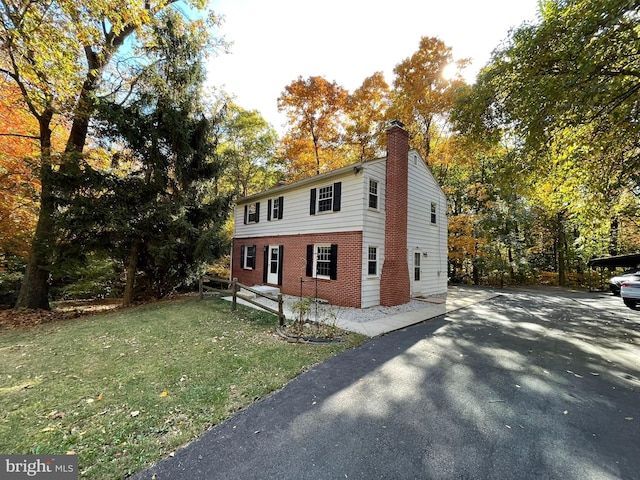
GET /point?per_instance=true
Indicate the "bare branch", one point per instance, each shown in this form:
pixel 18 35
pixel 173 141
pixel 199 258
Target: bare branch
pixel 32 137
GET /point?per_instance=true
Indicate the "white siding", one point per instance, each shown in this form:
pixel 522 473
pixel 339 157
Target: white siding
pixel 422 235
pixel 373 234
pixel 296 218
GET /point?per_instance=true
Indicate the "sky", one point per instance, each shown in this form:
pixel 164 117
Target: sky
pixel 273 42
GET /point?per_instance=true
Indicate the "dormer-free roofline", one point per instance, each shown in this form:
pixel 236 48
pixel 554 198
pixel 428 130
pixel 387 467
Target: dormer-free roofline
pixel 306 181
pixel 279 189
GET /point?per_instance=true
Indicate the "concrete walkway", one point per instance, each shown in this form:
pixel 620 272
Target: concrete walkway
pixel 374 321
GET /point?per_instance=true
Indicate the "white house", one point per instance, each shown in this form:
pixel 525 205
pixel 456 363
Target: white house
pixel 371 233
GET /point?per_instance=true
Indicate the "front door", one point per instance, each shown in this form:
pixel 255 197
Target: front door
pixel 416 274
pixel 274 264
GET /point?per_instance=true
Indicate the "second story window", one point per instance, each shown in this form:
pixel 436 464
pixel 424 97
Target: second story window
pixel 434 212
pixel 252 213
pixel 373 194
pixel 326 198
pixel 275 208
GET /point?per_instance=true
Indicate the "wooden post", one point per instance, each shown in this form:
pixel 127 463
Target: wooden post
pixel 280 310
pixel 234 286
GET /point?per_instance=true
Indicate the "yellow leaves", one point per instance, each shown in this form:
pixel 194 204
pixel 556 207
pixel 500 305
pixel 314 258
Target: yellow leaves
pixel 164 393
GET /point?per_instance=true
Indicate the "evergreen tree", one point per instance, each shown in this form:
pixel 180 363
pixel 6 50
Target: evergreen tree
pixel 154 208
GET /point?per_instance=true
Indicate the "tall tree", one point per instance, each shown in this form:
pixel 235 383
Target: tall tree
pixel 422 95
pixel 366 112
pixel 57 53
pixel 314 107
pixel 247 147
pixel 162 211
pixel 568 89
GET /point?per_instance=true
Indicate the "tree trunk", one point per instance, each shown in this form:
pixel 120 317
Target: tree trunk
pixel 34 290
pixel 562 274
pixel 132 267
pixel 613 236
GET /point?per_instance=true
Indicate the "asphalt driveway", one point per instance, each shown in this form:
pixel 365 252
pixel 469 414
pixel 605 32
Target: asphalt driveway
pixel 532 384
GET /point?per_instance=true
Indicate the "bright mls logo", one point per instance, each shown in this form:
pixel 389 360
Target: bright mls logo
pixel 50 467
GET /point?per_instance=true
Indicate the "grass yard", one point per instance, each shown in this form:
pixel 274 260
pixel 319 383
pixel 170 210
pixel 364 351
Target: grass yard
pixel 125 389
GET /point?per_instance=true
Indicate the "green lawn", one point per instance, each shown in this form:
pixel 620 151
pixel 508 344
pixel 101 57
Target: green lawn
pixel 125 389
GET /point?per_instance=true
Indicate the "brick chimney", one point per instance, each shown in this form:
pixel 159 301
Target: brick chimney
pixel 395 286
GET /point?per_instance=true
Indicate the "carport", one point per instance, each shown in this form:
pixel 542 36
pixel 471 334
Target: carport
pixel 624 261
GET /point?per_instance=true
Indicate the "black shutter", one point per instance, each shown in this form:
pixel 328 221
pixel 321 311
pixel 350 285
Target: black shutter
pixel 242 256
pixel 281 207
pixel 269 210
pixel 265 263
pixel 280 258
pixel 337 194
pixel 246 213
pixel 257 212
pixel 253 260
pixel 309 260
pixel 333 264
pixel 312 204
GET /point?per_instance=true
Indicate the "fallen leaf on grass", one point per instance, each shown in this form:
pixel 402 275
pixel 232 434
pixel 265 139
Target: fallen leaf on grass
pixel 100 397
pixel 135 413
pixel 164 393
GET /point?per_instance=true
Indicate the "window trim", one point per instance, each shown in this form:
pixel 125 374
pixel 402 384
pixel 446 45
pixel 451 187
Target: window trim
pixel 245 256
pixel 316 260
pixel 375 261
pixel 312 261
pixel 376 195
pixel 274 213
pixel 248 214
pixel 336 197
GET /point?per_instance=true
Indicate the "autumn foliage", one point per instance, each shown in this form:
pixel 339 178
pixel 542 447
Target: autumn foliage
pixel 19 186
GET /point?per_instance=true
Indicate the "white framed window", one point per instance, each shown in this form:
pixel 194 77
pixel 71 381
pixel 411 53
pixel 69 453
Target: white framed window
pixel 373 194
pixel 275 212
pixel 372 261
pixel 322 261
pixel 248 254
pixel 434 212
pixel 252 213
pixel 325 199
pixel 275 207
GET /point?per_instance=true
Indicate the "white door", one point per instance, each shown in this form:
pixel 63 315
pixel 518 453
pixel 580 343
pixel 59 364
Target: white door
pixel 274 262
pixel 416 274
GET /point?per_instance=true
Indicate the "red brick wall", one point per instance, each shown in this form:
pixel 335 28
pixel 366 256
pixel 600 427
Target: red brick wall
pixel 395 285
pixel 345 291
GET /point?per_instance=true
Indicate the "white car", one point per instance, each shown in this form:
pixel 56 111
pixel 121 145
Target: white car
pixel 615 282
pixel 630 291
